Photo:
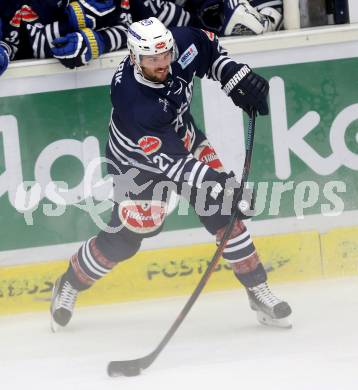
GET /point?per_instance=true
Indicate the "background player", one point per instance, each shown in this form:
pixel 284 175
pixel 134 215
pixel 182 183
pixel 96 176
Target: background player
pixel 75 32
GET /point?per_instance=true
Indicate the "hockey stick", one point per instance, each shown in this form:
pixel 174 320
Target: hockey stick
pixel 135 366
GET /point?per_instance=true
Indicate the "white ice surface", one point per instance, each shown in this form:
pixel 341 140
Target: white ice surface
pixel 219 346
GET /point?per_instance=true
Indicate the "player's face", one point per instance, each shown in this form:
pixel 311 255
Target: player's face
pixel 156 67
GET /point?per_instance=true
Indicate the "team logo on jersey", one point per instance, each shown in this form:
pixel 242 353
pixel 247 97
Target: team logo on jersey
pixel 150 144
pixel 142 216
pixel 206 154
pixel 125 4
pixel 210 34
pixel 165 103
pixel 26 14
pixel 188 139
pixel 188 56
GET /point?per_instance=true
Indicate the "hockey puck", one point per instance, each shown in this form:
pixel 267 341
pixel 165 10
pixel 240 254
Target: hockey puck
pixel 123 369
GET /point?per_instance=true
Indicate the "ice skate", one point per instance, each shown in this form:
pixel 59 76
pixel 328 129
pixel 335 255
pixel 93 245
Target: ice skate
pixel 62 303
pixel 270 310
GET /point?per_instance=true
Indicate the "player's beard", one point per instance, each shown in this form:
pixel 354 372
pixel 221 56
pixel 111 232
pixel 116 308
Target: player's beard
pixel 155 76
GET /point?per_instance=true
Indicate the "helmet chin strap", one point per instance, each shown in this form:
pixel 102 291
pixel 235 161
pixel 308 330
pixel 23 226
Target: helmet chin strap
pixel 134 62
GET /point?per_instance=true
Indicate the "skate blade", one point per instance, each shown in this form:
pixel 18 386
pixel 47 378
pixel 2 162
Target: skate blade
pixel 266 320
pixel 55 327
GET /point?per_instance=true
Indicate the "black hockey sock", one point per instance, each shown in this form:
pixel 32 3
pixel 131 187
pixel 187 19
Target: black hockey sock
pixel 71 277
pixel 253 278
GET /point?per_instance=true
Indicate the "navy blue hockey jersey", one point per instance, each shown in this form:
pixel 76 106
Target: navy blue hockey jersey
pixel 151 126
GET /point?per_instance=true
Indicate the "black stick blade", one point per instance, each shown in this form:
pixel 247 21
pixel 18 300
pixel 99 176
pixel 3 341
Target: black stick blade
pixel 124 368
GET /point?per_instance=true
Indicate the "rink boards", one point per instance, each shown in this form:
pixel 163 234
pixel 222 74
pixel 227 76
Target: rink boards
pixel 176 271
pixel 308 146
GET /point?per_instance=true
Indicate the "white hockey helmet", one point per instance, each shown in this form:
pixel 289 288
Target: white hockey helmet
pixel 149 37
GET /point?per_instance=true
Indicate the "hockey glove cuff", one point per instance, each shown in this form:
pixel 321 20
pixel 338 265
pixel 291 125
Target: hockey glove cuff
pixel 77 49
pixel 77 17
pixel 225 191
pixel 91 13
pixel 4 58
pixel 273 17
pixel 247 89
pixel 98 7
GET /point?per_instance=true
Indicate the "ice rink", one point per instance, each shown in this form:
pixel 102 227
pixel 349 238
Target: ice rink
pixel 219 346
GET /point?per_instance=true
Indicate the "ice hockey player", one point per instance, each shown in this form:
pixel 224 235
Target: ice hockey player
pixel 154 141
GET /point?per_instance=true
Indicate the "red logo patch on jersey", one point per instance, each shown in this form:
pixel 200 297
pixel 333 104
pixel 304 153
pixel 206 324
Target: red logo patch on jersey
pixel 26 13
pixel 150 144
pixel 142 216
pixel 210 34
pixel 187 140
pixel 160 45
pixel 16 19
pixel 209 157
pixel 125 4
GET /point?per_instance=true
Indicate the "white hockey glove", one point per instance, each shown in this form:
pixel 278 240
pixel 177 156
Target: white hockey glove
pixel 240 18
pixel 274 19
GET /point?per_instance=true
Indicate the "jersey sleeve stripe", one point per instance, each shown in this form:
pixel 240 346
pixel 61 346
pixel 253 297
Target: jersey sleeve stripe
pixel 130 161
pixel 112 39
pixel 217 66
pixel 184 18
pixel 193 173
pixel 120 144
pixel 126 139
pixel 162 16
pixel 36 44
pixel 122 141
pixel 168 13
pixel 42 46
pixel 180 171
pixel 201 176
pixel 221 67
pixel 175 167
pixel 187 19
pixel 119 38
pixel 52 32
